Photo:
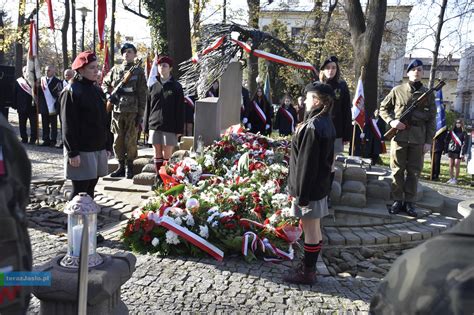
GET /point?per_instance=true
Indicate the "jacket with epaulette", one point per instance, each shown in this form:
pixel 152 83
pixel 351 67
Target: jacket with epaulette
pixel 422 123
pixel 133 94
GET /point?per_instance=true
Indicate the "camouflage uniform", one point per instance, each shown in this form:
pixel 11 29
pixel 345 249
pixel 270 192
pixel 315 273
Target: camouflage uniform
pixel 406 148
pixel 436 277
pixel 129 112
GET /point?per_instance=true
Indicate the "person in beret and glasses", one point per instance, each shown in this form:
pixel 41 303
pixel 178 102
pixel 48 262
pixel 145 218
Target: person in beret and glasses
pixel 311 159
pixel 408 147
pixel 84 127
pixel 128 114
pixel 164 113
pixel 341 110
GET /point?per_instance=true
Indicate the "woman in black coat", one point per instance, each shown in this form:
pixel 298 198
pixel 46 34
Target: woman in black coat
pixel 87 143
pixel 312 151
pixel 260 114
pixel 286 117
pixel 456 148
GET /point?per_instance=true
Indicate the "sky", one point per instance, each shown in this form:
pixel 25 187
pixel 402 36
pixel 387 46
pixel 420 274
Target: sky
pixel 133 26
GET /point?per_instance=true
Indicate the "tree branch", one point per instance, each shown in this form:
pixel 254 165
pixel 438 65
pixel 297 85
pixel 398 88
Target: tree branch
pixel 139 13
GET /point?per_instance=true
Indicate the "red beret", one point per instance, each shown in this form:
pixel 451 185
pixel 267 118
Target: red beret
pixel 83 59
pixel 165 59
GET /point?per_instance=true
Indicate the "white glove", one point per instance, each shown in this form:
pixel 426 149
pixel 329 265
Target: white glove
pixel 267 126
pixel 245 120
pixel 362 135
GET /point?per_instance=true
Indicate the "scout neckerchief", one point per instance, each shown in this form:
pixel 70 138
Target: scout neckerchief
pixel 189 101
pixel 456 138
pixel 24 85
pixel 288 116
pixel 260 112
pixel 48 96
pixel 378 134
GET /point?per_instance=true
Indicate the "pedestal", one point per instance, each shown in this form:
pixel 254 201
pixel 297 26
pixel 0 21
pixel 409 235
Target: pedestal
pixel 103 295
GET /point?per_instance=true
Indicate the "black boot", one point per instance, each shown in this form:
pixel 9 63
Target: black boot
pixel 129 169
pixel 301 275
pixel 396 207
pixel 120 172
pixel 410 209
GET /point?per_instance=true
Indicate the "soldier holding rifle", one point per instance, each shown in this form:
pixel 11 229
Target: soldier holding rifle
pixel 128 105
pixel 414 134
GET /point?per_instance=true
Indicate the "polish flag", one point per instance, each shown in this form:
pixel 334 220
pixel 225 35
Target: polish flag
pixel 50 14
pixel 358 106
pixel 101 16
pixel 32 64
pixel 105 66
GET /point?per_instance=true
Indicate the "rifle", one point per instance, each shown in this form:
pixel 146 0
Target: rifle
pixel 113 98
pixel 404 117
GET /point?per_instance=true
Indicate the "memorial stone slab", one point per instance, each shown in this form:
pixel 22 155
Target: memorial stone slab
pixel 355 174
pixel 353 187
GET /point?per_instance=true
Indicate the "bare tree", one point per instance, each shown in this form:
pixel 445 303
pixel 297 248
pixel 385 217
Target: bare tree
pixel 112 36
pixel 366 37
pixel 73 27
pixel 321 24
pixel 64 30
pixel 252 69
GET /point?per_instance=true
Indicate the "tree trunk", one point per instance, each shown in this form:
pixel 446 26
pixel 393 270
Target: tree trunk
pixel 179 34
pixel 252 68
pixel 112 36
pixel 18 44
pixel 64 30
pixel 434 64
pixel 73 27
pixel 2 38
pixel 366 37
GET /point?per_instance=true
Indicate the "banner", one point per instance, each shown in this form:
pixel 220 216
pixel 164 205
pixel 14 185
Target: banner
pixel 50 14
pixel 358 106
pixel 106 65
pixel 440 114
pixel 101 16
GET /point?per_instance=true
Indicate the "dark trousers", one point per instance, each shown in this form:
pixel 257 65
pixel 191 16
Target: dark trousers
pixel 437 164
pixel 23 118
pixel 4 112
pixel 86 186
pixel 50 127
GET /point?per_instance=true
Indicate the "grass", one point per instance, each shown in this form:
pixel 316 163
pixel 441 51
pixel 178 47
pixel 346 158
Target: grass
pixel 464 179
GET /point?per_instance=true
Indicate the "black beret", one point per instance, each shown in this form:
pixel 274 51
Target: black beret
pixel 322 88
pixel 328 60
pixel 127 46
pixel 414 63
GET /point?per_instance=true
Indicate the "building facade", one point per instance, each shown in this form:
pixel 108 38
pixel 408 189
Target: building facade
pixel 464 101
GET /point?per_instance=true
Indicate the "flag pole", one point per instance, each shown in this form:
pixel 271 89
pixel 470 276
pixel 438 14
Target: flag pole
pixel 432 157
pixel 353 138
pixel 35 87
pixel 362 77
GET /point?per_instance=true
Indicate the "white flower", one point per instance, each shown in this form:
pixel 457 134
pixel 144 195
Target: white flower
pixel 204 231
pixel 214 224
pixel 136 213
pixel 286 212
pixel 208 160
pixel 155 242
pixel 178 220
pixel 172 238
pixel 189 220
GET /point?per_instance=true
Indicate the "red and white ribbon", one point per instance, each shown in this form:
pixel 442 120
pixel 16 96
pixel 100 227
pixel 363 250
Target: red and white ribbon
pixel 290 118
pixel 48 96
pixel 168 223
pixel 282 255
pixel 378 134
pixel 217 43
pixel 24 85
pixel 260 112
pixel 456 139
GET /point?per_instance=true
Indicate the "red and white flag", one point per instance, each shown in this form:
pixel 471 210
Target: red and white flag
pixel 358 106
pixel 32 64
pixel 50 14
pixel 101 16
pixel 153 72
pixel 105 66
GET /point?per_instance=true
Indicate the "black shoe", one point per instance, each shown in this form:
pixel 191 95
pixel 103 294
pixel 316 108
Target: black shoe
pixel 410 209
pixel 301 275
pixel 24 140
pixel 32 141
pixel 130 170
pixel 52 144
pixel 396 207
pixel 45 144
pixel 120 172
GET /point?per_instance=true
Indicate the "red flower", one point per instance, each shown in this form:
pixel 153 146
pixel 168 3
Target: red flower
pixel 148 225
pixel 230 226
pixel 137 226
pixel 146 238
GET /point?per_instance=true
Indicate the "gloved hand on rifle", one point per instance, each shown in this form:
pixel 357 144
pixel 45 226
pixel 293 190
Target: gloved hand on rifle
pixel 114 98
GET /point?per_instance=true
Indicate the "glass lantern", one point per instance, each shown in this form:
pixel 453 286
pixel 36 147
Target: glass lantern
pixel 79 209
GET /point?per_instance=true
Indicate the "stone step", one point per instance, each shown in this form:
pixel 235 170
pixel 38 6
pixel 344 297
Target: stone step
pixel 126 185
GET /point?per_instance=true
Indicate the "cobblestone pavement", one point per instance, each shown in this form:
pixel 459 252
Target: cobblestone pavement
pixel 176 285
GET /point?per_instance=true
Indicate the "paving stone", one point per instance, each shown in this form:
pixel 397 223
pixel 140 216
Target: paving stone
pixel 351 238
pixel 364 236
pixel 425 233
pixel 401 231
pixel 392 237
pixel 379 237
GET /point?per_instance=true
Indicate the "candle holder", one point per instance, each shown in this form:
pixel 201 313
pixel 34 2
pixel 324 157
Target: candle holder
pixel 79 210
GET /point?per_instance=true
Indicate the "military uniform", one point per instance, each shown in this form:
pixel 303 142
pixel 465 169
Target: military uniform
pixel 129 112
pixel 436 277
pixel 406 148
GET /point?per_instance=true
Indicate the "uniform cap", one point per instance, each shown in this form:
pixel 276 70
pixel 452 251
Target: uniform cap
pixel 328 60
pixel 83 59
pixel 127 46
pixel 319 87
pixel 166 59
pixel 414 63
